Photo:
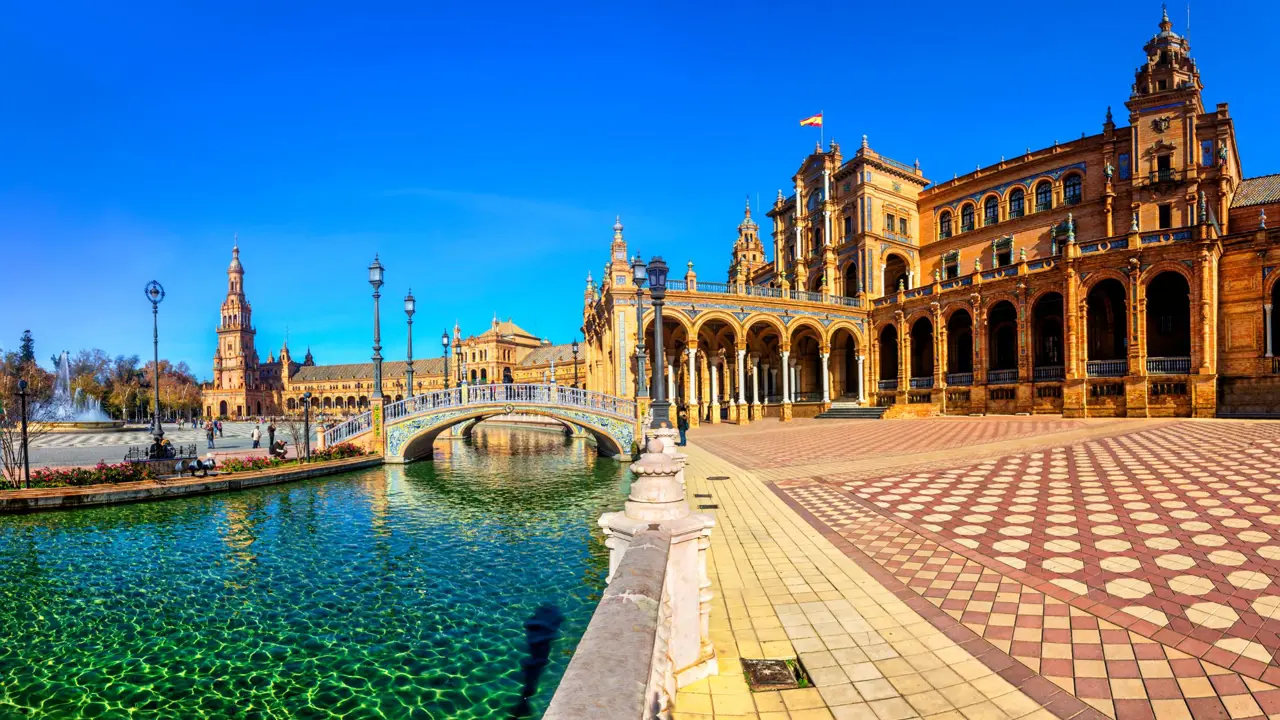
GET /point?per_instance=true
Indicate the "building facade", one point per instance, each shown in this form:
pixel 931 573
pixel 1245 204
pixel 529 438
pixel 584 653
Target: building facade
pixel 245 386
pixel 1126 273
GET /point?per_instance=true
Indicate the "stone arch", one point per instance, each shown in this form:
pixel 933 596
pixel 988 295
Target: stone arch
pixel 954 306
pixel 668 315
pixel 767 318
pixel 707 316
pixel 803 322
pixel 1150 273
pixel 412 439
pixel 896 268
pixel 990 301
pixel 849 325
pixel 469 426
pixel 849 278
pixel 1100 275
pixel 1040 292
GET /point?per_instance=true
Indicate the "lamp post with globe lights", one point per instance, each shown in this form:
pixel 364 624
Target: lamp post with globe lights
pixel 640 274
pixel 375 279
pixel 155 293
pixel 657 271
pixel 409 306
pixel 306 424
pixel 575 363
pixel 444 344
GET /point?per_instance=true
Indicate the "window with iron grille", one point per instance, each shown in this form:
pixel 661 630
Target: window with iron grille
pixel 966 218
pixel 1073 190
pixel 1044 196
pixel 944 225
pixel 991 211
pixel 1016 203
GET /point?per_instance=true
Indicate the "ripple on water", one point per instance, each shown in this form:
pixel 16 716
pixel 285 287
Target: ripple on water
pixel 397 592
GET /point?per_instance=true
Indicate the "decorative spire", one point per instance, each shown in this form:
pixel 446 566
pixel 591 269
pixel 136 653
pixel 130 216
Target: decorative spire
pixel 864 142
pixel 617 228
pixel 747 214
pixel 817 148
pixel 1110 120
pixel 779 195
pixel 235 255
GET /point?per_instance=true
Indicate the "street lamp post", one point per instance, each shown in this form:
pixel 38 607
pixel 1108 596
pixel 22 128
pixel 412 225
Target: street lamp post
pixel 575 363
pixel 658 291
pixel 155 293
pixel 409 306
pixel 306 424
pixel 26 465
pixel 639 274
pixel 444 344
pixel 375 279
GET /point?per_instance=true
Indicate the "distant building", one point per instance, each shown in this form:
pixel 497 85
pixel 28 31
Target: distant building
pixel 1126 273
pixel 245 386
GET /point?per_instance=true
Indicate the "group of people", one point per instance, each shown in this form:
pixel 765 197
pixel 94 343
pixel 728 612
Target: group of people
pixel 213 429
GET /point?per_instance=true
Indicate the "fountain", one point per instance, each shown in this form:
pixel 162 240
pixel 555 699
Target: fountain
pixel 68 412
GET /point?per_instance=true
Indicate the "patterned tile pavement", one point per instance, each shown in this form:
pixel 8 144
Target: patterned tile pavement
pixel 1138 571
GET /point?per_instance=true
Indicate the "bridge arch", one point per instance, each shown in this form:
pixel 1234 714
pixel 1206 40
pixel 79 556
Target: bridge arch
pixel 419 434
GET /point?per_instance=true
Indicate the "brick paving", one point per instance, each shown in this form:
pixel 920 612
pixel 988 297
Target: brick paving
pixel 1134 567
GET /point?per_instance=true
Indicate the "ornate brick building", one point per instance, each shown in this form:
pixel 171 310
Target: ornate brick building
pixel 244 386
pixel 1129 272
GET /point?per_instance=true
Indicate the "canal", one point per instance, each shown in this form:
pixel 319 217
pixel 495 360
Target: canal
pixel 386 593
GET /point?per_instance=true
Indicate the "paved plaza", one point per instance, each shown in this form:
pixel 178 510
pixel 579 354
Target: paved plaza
pixel 63 449
pixel 996 567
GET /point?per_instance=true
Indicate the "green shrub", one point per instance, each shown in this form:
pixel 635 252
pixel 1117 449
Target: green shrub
pixel 100 474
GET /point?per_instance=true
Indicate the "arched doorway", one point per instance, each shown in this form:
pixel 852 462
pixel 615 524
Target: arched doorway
pixel 1107 330
pixel 889 358
pixel 960 348
pixel 895 274
pixel 1046 331
pixel 1168 325
pixel 850 287
pixel 764 339
pixel 846 380
pixel 222 408
pixel 1002 343
pixel 806 365
pixel 922 353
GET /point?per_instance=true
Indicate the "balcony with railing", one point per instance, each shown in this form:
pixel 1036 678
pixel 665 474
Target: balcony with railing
pixel 1107 368
pixel 1048 373
pixel 921 383
pixel 762 291
pixel 888 385
pixel 714 287
pixel 1002 377
pixel 806 296
pixel 846 301
pixel 1169 366
pixel 960 378
pixel 1164 176
pixel 677 285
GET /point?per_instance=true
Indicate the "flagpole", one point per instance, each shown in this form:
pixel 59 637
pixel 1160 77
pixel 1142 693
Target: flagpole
pixel 822 128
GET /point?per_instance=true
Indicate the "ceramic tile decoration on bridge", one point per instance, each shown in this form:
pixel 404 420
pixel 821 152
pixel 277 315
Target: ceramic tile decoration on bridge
pixel 408 427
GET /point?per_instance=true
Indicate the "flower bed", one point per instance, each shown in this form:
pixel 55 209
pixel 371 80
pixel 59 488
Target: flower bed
pixel 341 451
pixel 101 474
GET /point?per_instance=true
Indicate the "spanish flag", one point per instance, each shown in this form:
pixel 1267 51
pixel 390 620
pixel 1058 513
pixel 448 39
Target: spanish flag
pixel 815 120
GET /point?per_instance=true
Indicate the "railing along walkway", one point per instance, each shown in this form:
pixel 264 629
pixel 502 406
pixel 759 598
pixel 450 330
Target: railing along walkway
pixel 544 394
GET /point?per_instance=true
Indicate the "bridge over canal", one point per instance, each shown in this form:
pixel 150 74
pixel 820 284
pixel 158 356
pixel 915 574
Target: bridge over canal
pixel 405 430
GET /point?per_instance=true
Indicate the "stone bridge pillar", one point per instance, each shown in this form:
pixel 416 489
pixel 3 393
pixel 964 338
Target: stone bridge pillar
pixel 658 498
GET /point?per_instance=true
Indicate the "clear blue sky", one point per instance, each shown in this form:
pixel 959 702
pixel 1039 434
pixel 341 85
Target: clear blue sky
pixel 483 149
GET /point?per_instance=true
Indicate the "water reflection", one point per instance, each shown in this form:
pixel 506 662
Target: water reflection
pixel 374 594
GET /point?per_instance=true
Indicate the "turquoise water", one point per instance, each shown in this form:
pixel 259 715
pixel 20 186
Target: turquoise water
pixel 393 592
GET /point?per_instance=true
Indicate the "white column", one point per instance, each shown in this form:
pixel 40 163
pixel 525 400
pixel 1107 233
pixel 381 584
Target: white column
pixel 862 381
pixel 826 383
pixel 714 382
pixel 1266 309
pixel 671 378
pixel 755 381
pixel 692 394
pixel 742 387
pixel 786 372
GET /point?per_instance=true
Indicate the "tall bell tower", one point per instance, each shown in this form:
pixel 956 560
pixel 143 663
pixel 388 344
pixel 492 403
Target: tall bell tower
pixel 235 360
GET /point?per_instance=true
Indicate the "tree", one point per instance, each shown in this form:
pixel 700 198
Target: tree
pixel 26 349
pixel 39 390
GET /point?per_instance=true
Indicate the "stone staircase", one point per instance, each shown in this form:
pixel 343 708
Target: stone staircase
pixel 848 410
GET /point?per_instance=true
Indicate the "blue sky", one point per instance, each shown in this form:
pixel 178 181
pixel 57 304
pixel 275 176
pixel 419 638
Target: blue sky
pixel 483 149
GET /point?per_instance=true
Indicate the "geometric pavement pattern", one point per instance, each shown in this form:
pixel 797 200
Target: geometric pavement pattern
pixel 1139 572
pixel 823 441
pixel 143 437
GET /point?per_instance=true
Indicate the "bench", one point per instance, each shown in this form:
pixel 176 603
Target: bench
pixel 166 460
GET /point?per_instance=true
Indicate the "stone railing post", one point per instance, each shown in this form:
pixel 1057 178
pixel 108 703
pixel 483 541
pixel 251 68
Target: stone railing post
pixel 658 499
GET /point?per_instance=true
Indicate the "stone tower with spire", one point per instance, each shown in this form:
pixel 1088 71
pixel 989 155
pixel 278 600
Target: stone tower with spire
pixel 748 251
pixel 235 360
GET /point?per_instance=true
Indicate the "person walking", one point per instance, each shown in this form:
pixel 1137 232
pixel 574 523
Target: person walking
pixel 271 435
pixel 682 424
pixel 208 433
pixel 256 437
pixel 218 425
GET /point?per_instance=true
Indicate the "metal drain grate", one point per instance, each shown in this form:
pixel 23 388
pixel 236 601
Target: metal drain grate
pixel 718 477
pixel 702 495
pixel 708 507
pixel 765 675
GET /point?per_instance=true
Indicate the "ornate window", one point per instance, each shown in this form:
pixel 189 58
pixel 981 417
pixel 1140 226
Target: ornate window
pixel 1002 251
pixel 1072 189
pixel 1044 195
pixel 966 218
pixel 1016 203
pixel 944 225
pixel 902 227
pixel 990 210
pixel 848 226
pixel 889 223
pixel 951 265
